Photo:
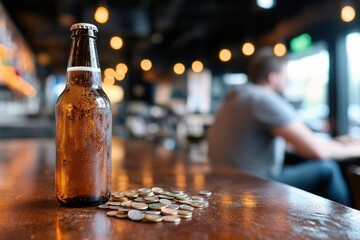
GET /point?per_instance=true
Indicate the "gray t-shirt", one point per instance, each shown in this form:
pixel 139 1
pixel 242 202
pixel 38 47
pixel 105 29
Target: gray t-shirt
pixel 241 135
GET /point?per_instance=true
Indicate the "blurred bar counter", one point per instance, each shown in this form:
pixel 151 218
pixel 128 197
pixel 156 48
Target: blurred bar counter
pixel 27 128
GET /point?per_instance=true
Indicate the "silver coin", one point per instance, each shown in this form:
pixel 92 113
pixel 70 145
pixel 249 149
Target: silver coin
pixel 135 215
pixel 139 205
pixel 157 190
pixel 166 202
pixel 103 206
pixel 173 206
pixel 186 207
pixel 184 212
pixel 186 201
pixel 139 199
pixel 144 190
pixel 171 218
pixel 185 216
pixel 199 198
pixel 153 212
pixel 153 217
pixel 156 206
pixel 127 204
pixel 152 199
pixel 176 191
pixel 205 193
pixel 115 207
pixel 166 196
pixel 196 205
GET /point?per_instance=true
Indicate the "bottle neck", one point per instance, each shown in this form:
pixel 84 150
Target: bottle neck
pixel 83 67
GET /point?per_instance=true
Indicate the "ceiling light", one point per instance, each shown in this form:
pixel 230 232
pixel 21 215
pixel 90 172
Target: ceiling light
pixel 179 68
pixel 116 42
pixel 109 72
pixel 101 15
pixel 122 68
pixel 115 93
pixel 43 59
pixel 248 49
pixel 347 13
pixel 119 76
pixel 225 55
pixel 146 64
pixel 109 80
pixel 280 49
pixel 197 66
pixel 266 4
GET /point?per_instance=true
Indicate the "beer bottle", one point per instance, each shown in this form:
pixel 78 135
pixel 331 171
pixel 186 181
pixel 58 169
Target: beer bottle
pixel 83 126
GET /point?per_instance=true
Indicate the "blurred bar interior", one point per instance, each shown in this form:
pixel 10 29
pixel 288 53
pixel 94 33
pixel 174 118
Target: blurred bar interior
pixel 168 64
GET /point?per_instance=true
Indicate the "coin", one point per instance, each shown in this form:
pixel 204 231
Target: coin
pixel 196 204
pixel 197 198
pixel 171 218
pixel 139 199
pixel 140 206
pixel 205 193
pixel 186 207
pixel 127 204
pixel 185 216
pixel 184 212
pixel 131 194
pixel 113 203
pixel 103 206
pixel 111 213
pixel 166 202
pixel 152 199
pixel 135 215
pixel 170 194
pixel 182 197
pixel 187 201
pixel 157 190
pixel 124 210
pixel 114 207
pixel 121 215
pixel 166 196
pixel 156 206
pixel 153 217
pixel 153 212
pixel 169 211
pixel 173 206
pixel 149 194
pixel 117 195
pixel 176 191
pixel 144 190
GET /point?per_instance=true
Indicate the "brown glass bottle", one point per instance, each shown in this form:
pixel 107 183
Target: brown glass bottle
pixel 83 127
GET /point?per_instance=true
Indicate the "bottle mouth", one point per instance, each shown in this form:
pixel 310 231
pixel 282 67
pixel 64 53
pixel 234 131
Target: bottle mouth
pixel 84 26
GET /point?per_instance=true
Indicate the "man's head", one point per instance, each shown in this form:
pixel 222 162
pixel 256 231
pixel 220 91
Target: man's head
pixel 267 69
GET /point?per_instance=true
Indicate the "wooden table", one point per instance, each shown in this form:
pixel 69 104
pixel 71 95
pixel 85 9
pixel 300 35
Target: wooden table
pixel 242 206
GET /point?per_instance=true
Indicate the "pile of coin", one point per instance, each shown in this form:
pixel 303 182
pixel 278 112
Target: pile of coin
pixel 155 204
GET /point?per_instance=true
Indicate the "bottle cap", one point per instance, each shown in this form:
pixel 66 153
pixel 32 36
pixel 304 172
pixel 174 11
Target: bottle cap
pixel 84 26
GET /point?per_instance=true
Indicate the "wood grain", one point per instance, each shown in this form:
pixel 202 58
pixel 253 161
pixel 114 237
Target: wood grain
pixel 242 206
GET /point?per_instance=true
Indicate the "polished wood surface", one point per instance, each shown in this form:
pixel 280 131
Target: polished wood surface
pixel 242 206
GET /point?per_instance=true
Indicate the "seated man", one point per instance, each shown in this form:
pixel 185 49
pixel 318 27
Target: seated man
pixel 254 123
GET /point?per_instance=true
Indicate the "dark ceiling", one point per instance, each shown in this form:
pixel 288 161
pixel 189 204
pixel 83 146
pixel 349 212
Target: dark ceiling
pixel 166 31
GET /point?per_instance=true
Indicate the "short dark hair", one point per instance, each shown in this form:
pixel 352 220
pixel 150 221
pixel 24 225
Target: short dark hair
pixel 263 63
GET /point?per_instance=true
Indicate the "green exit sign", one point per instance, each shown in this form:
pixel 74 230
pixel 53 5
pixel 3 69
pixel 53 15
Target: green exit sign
pixel 300 43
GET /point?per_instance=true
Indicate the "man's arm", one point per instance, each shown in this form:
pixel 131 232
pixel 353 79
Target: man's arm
pixel 308 145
